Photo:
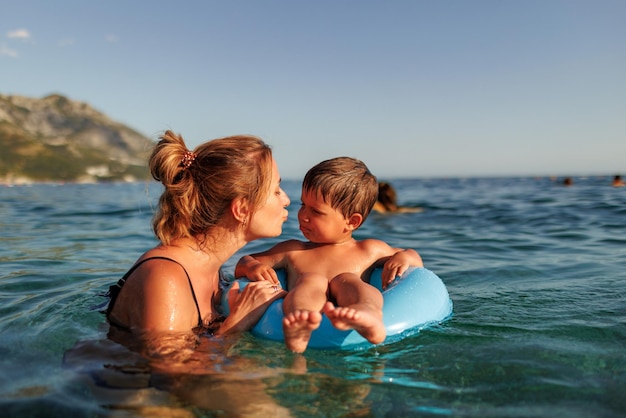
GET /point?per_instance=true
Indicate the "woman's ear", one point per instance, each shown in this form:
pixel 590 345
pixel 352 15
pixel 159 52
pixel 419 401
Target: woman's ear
pixel 354 221
pixel 240 210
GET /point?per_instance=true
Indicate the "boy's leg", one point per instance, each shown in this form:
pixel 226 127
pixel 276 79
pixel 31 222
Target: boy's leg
pixel 308 293
pixel 359 307
pixel 302 307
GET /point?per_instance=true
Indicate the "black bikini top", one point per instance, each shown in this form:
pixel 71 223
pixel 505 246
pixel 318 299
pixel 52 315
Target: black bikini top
pixel 114 290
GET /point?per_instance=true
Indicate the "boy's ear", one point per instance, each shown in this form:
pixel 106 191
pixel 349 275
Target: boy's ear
pixel 354 221
pixel 240 209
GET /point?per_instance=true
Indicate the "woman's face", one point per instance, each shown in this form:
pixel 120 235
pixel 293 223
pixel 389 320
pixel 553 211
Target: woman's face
pixel 267 221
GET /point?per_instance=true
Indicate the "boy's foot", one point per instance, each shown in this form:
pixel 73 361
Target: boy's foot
pixel 366 321
pixel 298 326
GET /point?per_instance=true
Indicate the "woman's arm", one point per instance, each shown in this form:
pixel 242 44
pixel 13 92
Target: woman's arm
pixel 247 306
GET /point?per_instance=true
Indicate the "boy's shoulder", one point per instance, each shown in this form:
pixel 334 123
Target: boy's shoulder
pixel 373 243
pixel 375 247
pixel 291 244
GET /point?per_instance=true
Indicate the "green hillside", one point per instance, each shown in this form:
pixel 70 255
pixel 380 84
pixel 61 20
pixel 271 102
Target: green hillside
pixel 56 139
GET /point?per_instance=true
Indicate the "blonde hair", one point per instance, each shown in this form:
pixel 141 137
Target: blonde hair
pixel 345 183
pixel 200 185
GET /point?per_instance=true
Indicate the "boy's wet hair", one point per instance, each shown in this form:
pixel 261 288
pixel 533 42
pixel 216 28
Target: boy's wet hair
pixel 345 183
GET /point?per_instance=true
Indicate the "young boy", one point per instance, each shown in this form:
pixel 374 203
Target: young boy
pixel 337 196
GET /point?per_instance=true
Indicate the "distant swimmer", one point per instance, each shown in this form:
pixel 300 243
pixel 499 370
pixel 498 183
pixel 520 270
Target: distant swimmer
pixel 388 202
pixel 618 182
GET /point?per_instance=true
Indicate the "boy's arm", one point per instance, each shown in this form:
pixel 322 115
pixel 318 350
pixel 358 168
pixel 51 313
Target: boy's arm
pixel 400 262
pixel 261 266
pixel 396 261
pixel 248 266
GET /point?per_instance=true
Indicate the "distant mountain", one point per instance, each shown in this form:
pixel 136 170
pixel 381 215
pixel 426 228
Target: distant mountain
pixel 58 139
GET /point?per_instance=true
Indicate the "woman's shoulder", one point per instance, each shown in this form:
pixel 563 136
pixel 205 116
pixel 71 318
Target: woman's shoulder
pixel 159 263
pixel 155 284
pixel 161 275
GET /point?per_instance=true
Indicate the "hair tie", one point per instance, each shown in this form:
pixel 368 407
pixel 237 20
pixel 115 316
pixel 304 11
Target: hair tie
pixel 188 158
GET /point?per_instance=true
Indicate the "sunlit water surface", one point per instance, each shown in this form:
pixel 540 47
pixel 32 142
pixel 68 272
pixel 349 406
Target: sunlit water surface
pixel 536 271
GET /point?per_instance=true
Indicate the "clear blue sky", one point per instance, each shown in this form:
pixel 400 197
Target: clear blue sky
pixel 414 88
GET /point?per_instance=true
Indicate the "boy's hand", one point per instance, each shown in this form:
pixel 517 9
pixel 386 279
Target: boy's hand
pixel 398 264
pixel 255 271
pixel 259 272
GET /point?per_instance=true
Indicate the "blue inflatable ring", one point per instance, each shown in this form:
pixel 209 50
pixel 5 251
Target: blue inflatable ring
pixel 416 299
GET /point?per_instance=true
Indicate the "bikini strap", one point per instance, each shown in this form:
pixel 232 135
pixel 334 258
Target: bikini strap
pixel 115 289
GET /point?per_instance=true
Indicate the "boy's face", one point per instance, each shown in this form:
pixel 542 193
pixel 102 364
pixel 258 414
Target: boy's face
pixel 320 223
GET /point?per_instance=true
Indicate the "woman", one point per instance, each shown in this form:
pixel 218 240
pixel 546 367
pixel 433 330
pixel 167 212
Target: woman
pixel 388 201
pixel 217 198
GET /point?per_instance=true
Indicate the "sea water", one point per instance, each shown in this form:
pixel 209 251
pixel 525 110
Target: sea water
pixel 536 271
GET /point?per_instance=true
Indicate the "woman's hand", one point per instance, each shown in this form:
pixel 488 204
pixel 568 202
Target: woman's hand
pixel 248 305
